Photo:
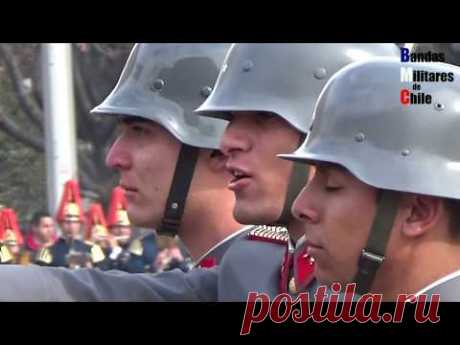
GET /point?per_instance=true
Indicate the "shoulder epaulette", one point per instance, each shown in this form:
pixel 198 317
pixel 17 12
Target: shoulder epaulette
pixel 97 255
pixel 136 247
pixel 274 234
pixel 5 254
pixel 44 255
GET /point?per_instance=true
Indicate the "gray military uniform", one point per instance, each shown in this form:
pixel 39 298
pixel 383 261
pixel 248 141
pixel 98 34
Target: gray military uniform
pixel 447 287
pixel 214 256
pixel 251 266
pixel 35 283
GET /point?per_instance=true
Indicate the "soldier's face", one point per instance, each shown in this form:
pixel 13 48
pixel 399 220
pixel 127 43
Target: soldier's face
pixel 14 249
pixel 123 233
pixel 71 229
pixel 338 211
pixel 260 179
pixel 45 229
pixel 145 154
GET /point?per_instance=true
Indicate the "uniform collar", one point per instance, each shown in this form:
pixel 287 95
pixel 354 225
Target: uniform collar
pixel 295 245
pixel 229 237
pixel 440 281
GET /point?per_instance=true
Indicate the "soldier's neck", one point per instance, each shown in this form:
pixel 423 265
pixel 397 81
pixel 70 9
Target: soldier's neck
pixel 41 241
pixel 206 226
pixel 69 239
pixel 416 268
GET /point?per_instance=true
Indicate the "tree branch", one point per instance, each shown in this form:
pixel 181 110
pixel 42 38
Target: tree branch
pixel 80 87
pixel 86 181
pixel 10 128
pixel 86 129
pixel 29 107
pixel 85 83
pixel 87 165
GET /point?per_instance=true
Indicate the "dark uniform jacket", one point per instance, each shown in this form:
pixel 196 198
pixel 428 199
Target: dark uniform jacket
pixel 72 254
pixel 138 256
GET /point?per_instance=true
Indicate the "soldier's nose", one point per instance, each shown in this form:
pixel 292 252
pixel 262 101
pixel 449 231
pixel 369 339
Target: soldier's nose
pixel 303 210
pixel 234 139
pixel 118 156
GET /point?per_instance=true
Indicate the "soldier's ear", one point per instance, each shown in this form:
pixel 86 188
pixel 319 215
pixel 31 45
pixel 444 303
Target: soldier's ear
pixel 217 161
pixel 420 214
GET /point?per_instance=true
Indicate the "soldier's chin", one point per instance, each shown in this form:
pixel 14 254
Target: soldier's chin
pixel 254 214
pixel 123 242
pixel 140 219
pixel 326 278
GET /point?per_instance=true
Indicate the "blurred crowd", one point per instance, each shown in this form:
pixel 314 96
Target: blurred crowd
pixel 78 239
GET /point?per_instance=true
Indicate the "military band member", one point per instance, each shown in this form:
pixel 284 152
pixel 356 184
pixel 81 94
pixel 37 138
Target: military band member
pixel 170 255
pixel 5 255
pixel 42 234
pixel 70 250
pixel 130 253
pixel 96 230
pixel 12 238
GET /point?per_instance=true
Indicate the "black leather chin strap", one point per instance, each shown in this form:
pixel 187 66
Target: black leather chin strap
pixel 373 255
pixel 175 204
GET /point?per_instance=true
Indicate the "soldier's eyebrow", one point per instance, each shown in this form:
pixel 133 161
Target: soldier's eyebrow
pixel 326 167
pixel 126 119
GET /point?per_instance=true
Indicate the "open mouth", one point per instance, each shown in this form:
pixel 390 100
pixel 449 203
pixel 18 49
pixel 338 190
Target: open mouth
pixel 240 180
pixel 238 175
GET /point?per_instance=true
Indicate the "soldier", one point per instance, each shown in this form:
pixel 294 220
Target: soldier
pixel 11 239
pixel 269 111
pixel 5 255
pixel 257 266
pixel 119 223
pixel 69 250
pixel 130 254
pixel 170 255
pixel 172 173
pixel 43 233
pixel 374 212
pixel 96 231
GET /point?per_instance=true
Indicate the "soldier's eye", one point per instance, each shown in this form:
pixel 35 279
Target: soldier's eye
pixel 139 129
pixel 269 116
pixel 262 118
pixel 332 188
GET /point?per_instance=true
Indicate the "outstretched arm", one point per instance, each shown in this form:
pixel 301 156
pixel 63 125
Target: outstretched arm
pixel 34 283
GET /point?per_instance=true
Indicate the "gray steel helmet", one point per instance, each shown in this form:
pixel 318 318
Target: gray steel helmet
pixel 283 78
pixel 165 83
pixel 360 123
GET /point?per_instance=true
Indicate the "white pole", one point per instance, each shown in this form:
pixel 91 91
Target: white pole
pixel 59 106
